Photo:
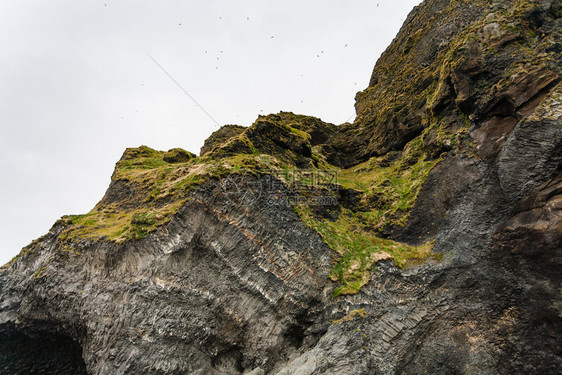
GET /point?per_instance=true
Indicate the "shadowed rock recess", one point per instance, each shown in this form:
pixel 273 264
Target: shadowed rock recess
pixel 424 238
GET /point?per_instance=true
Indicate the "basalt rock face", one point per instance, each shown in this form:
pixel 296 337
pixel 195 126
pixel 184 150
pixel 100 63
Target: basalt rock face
pixel 454 62
pixel 229 283
pixel 212 265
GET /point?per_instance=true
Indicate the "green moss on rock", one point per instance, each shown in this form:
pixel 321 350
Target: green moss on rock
pixel 220 137
pixel 178 155
pixel 386 190
pixel 146 191
pixel 148 187
pixel 455 60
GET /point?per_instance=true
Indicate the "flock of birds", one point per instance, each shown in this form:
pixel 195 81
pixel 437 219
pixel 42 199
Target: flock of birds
pixel 318 55
pixel 271 37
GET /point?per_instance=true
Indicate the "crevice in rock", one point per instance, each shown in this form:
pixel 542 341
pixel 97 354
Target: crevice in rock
pixel 533 102
pixel 295 335
pixel 228 360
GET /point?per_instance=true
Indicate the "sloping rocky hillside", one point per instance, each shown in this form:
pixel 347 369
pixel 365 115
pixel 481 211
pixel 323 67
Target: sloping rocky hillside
pixel 425 237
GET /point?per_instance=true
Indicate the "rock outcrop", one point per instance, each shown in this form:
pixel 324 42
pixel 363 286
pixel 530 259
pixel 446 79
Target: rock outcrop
pixel 456 63
pixel 423 238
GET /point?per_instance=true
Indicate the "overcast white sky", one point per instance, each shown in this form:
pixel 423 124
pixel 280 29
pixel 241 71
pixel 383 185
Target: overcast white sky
pixel 77 86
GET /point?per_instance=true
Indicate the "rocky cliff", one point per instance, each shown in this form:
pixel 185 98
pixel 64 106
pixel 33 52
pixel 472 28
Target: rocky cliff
pixel 423 238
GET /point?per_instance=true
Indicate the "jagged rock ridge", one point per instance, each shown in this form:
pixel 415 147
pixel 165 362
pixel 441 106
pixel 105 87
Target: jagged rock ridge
pixel 423 238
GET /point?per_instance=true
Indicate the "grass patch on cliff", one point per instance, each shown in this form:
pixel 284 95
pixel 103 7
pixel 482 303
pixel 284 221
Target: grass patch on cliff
pixel 359 249
pixel 151 190
pixel 118 227
pixel 142 197
pixel 147 192
pixel 389 189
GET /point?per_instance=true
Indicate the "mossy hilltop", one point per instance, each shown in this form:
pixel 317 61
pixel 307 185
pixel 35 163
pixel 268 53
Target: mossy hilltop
pixel 148 187
pixel 454 66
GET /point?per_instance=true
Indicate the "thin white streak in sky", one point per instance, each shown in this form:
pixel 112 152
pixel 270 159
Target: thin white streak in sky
pixel 182 89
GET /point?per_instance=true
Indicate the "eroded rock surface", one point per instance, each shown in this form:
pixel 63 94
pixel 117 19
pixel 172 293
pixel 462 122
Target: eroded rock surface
pixel 230 283
pixel 209 265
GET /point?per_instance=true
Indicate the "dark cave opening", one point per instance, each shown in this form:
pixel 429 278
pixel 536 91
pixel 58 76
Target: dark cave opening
pixel 39 353
pixel 295 335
